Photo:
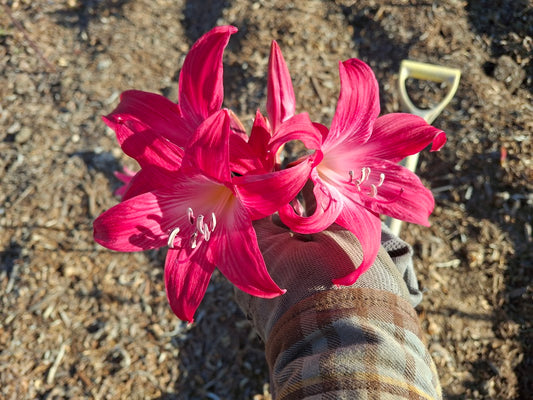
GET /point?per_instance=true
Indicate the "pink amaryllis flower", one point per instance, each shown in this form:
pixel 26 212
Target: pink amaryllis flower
pixel 359 177
pixel 169 126
pixel 203 214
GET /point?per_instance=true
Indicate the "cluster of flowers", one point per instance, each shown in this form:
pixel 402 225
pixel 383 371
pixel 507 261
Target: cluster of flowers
pixel 203 180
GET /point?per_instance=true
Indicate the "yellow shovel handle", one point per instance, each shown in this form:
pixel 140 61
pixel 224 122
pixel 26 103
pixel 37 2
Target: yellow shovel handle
pixel 428 72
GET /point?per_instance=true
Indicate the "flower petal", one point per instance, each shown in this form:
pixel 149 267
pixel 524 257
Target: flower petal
pixel 281 102
pixel 402 195
pixel 146 180
pixel 145 221
pixel 237 255
pixel 366 226
pixel 298 127
pixel 156 112
pixel 252 154
pixel 242 159
pixel 328 206
pixel 201 89
pixel 133 225
pixel 358 105
pixel 144 145
pixel 396 136
pixel 209 147
pixel 236 126
pixel 260 134
pixel 264 194
pixel 186 280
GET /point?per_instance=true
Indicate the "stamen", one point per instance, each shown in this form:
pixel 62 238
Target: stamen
pixel 365 173
pixel 351 176
pixel 193 240
pixel 381 179
pixel 213 222
pixel 190 215
pixel 172 236
pixel 373 191
pixel 200 224
pixel 207 233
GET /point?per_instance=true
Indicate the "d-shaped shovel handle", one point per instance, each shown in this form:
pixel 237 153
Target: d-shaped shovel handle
pixel 428 72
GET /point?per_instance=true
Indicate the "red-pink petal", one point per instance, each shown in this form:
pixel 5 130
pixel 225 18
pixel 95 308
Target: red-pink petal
pixel 402 195
pixel 146 180
pixel 260 134
pixel 237 255
pixel 145 221
pixel 201 89
pixel 253 154
pixel 156 112
pixel 329 205
pixel 298 127
pixel 186 280
pixel 209 147
pixel 144 144
pixel 264 194
pixel 242 157
pixel 281 102
pixel 396 136
pixel 236 126
pixel 133 225
pixel 366 226
pixel 358 105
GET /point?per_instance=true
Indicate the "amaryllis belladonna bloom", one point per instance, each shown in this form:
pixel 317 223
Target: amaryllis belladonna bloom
pixel 204 215
pixel 359 177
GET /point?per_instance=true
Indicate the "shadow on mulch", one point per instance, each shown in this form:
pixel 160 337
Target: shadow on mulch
pixel 202 15
pixel 497 19
pixel 484 173
pixel 81 15
pixel 103 162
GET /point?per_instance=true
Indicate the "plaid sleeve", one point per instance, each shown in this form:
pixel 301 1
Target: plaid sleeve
pixel 350 343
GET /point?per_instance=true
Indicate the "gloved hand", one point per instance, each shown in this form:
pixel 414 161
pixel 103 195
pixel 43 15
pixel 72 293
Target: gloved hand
pixel 306 264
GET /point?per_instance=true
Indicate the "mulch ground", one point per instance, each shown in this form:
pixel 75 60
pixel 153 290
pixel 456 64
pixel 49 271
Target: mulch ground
pixel 79 321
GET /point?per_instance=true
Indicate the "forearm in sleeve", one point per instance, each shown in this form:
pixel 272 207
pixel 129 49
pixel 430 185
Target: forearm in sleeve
pixel 350 343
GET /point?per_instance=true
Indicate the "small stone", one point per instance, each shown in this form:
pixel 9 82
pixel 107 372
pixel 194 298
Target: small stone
pixel 509 72
pixel 434 328
pixel 14 128
pixel 23 84
pixel 23 135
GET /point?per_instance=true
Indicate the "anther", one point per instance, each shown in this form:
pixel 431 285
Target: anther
pixel 172 236
pixel 365 173
pixel 190 215
pixel 373 190
pixel 200 224
pixel 194 237
pixel 207 233
pixel 381 179
pixel 213 222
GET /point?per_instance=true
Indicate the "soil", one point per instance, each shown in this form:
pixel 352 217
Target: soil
pixel 79 321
